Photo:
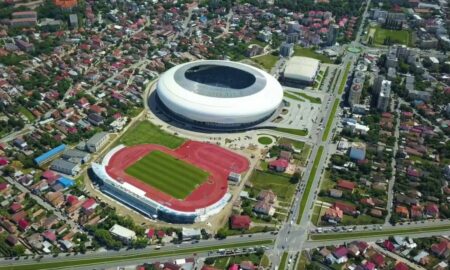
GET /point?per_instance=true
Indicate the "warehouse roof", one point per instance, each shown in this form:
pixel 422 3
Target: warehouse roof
pixel 122 232
pixel 301 68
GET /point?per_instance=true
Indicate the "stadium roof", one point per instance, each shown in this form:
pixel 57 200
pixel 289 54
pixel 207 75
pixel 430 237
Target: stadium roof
pixel 301 68
pixel 216 78
pixel 49 154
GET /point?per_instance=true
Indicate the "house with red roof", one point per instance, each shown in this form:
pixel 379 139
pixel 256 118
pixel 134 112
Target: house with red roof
pixel 333 215
pixel 346 208
pixel 363 246
pixel 150 233
pixel 389 245
pixel 402 211
pixel 15 207
pixel 234 266
pixel 23 224
pixel 378 260
pixel 49 235
pixel 339 255
pixel 240 222
pixel 279 165
pixel 89 204
pixel 3 161
pixel 346 185
pixel 416 211
pixel 440 248
pixel 160 234
pixel 72 200
pixel 432 210
pixel 369 266
pixel 401 266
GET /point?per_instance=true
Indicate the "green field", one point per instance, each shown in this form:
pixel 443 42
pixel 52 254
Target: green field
pixel 395 36
pixel 344 79
pixel 294 131
pixel 27 114
pixel 296 144
pixel 311 99
pixel 267 61
pixel 311 177
pixel 299 51
pixel 145 132
pixel 283 261
pixel 292 96
pixel 168 174
pixel 278 183
pixel 369 233
pixel 90 263
pixel 330 120
pixel 265 140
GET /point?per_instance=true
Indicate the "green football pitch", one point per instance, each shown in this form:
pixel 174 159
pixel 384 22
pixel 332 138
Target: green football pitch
pixel 167 174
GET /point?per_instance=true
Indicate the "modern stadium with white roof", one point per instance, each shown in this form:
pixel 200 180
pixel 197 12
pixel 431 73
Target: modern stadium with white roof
pixel 220 94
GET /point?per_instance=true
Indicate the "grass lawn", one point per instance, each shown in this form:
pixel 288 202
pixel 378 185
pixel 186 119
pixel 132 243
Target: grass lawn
pixel 265 261
pixel 265 140
pixel 294 131
pixel 78 261
pixel 303 262
pixel 330 120
pixel 145 132
pixel 304 155
pixel 292 96
pixel 296 144
pixel 278 183
pixel 371 233
pixel 283 261
pixel 27 113
pixel 395 36
pixel 253 229
pixel 299 51
pixel 315 217
pixel 308 97
pixel 168 174
pixel 321 77
pixel 267 61
pixel 360 220
pixel 311 177
pixel 344 79
pixel 225 262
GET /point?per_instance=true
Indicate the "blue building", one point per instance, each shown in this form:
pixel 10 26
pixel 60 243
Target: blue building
pixel 358 151
pixel 66 182
pixel 49 154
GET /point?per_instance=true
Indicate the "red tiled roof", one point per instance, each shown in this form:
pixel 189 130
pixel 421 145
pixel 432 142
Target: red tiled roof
pixel 49 235
pixel 279 163
pixel 340 252
pixel 401 266
pixel 378 259
pixel 23 224
pixel 345 184
pixel 71 199
pixel 348 209
pixel 89 203
pixel 240 222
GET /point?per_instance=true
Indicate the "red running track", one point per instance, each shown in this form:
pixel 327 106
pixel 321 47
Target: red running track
pixel 218 161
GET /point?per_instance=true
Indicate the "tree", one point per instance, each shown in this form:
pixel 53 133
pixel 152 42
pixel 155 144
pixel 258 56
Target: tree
pixel 210 261
pixel 295 177
pixel 9 171
pixel 221 234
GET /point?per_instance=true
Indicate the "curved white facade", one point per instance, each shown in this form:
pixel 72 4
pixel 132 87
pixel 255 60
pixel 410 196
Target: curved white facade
pixel 227 102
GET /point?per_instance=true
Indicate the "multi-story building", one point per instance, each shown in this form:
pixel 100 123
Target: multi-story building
pixel 384 96
pixel 97 141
